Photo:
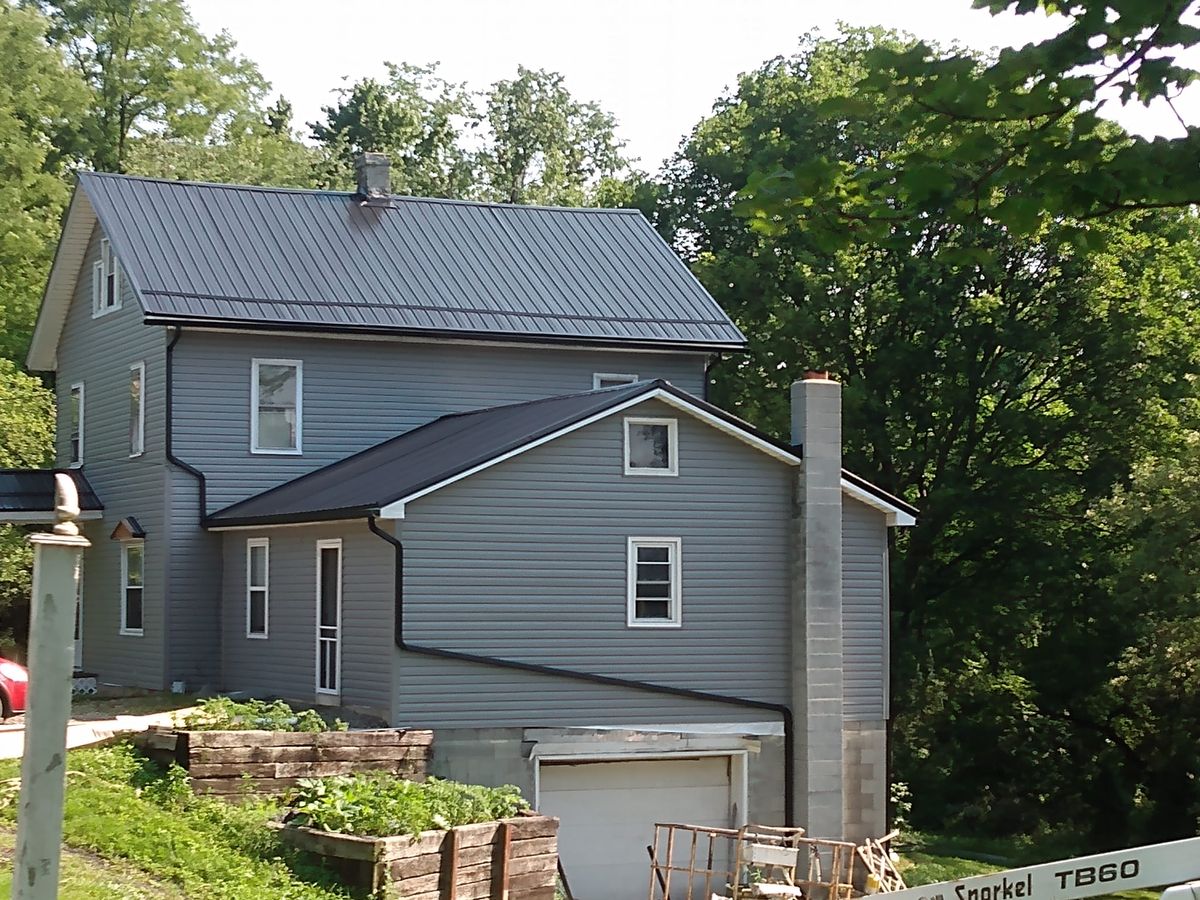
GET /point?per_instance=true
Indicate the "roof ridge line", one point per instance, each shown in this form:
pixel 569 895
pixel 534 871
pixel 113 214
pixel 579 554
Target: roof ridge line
pixel 374 203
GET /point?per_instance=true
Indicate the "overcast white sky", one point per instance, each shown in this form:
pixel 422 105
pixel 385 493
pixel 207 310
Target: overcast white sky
pixel 657 65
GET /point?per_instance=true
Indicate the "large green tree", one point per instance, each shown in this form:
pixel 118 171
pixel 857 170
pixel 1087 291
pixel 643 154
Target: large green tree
pixel 1004 382
pixel 149 70
pixel 1020 138
pixel 39 98
pixel 415 117
pixel 544 145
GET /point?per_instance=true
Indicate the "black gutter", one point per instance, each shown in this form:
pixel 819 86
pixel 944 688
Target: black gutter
pixel 789 772
pixel 324 328
pixel 170 428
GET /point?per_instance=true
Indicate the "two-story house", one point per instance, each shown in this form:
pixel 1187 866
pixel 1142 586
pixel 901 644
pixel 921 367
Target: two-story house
pixel 451 463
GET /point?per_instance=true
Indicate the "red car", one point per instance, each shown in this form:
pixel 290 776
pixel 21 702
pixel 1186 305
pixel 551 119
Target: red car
pixel 14 682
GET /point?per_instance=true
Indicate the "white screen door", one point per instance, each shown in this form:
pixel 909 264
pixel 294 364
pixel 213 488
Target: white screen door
pixel 79 619
pixel 329 616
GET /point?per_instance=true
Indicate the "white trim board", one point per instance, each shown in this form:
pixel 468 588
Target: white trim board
pixel 47 517
pixel 395 509
pixel 895 515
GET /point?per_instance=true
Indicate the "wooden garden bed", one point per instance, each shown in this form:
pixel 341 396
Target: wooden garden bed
pixel 514 858
pixel 234 762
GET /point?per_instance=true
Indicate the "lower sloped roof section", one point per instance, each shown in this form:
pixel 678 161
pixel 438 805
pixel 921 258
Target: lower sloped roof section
pixel 27 495
pixel 381 479
pixel 451 447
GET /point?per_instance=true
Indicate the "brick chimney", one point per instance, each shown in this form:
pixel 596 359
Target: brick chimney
pixel 374 176
pixel 817 605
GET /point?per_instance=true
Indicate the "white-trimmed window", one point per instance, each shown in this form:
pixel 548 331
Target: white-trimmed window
pixel 132 565
pixel 276 405
pixel 654 588
pixel 106 281
pixel 258 577
pixel 651 446
pixel 137 409
pixel 75 413
pixel 609 379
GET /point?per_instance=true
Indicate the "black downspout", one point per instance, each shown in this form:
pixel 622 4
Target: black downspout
pixel 170 428
pixel 708 367
pixel 784 711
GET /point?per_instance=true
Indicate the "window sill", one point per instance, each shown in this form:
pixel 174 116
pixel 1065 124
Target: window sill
pixel 101 313
pixel 138 454
pixel 257 452
pixel 256 637
pixel 653 624
pixel 653 473
pixel 129 632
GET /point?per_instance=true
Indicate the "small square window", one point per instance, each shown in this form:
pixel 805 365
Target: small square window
pixel 651 447
pixel 607 380
pixel 653 598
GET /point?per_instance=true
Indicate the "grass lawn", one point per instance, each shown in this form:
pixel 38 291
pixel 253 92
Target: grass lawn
pixel 138 832
pixel 927 859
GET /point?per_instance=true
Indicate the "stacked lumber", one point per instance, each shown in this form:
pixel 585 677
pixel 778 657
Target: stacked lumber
pixel 514 858
pixel 237 762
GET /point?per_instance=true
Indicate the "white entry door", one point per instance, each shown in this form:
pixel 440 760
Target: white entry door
pixel 607 813
pixel 329 617
pixel 79 620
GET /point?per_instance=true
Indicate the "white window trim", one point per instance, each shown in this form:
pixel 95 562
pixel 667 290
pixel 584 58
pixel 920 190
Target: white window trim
pixel 132 632
pixel 328 544
pixel 597 377
pixel 140 368
pixel 272 451
pixel 100 276
pixel 75 463
pixel 672 446
pixel 675 546
pixel 265 543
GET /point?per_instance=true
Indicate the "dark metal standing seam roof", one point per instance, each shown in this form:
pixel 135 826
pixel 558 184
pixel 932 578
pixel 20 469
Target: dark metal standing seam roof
pixel 32 490
pixel 361 484
pixel 267 257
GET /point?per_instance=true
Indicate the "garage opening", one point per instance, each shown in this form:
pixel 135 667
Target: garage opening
pixel 608 811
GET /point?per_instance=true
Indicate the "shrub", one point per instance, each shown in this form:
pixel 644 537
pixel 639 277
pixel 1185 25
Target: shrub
pixel 378 804
pixel 224 714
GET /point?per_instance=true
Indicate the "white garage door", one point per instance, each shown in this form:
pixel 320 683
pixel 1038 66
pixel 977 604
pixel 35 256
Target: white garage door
pixel 608 810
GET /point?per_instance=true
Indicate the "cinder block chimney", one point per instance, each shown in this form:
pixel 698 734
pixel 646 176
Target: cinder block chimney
pixel 817 605
pixel 374 175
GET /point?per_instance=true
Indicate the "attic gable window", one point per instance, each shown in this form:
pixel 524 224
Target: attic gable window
pixel 606 380
pixel 106 281
pixel 276 405
pixel 651 447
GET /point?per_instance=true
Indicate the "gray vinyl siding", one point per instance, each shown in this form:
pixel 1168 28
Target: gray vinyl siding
pixel 284 663
pixel 864 612
pixel 527 561
pixel 358 393
pixel 99 352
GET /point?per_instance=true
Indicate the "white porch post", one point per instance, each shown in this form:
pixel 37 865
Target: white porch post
pixel 51 661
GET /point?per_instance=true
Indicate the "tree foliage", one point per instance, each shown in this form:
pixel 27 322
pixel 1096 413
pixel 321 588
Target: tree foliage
pixel 1005 382
pixel 546 146
pixel 148 70
pixel 1018 139
pixel 416 118
pixel 38 99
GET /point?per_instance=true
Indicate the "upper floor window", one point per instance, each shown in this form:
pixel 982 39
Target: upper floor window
pixel 106 281
pixel 137 409
pixel 654 589
pixel 258 567
pixel 76 414
pixel 607 380
pixel 276 401
pixel 132 555
pixel 651 447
